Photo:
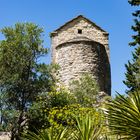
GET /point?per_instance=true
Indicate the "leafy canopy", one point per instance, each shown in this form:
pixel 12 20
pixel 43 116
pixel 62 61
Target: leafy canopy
pixel 85 90
pixel 22 75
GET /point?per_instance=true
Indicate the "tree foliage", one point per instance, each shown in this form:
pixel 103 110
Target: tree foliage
pixel 134 2
pixel 133 68
pixel 55 108
pixel 85 90
pixel 45 103
pixel 22 76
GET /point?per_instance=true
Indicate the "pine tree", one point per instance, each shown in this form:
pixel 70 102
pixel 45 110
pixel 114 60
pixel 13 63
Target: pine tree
pixel 133 68
pixel 134 2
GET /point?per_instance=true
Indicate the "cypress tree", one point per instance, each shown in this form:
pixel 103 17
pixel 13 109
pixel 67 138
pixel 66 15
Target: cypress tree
pixel 133 68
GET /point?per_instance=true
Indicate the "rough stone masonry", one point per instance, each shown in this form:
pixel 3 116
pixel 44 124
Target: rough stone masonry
pixel 81 46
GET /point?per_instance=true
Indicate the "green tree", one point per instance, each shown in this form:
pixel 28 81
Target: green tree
pixel 45 104
pixel 133 68
pixel 85 90
pixel 22 75
pixel 134 2
pixel 56 107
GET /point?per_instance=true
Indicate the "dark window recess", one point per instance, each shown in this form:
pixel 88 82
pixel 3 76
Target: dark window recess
pixel 79 31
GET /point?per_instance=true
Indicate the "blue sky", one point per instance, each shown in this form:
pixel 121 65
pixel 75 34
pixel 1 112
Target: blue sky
pixel 114 16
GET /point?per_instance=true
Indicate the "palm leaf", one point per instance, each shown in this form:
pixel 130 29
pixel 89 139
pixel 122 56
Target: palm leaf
pixel 88 128
pixel 124 116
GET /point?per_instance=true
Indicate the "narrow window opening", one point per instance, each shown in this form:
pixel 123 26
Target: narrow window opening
pixel 79 31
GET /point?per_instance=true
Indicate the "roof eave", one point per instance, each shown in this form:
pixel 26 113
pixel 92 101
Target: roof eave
pixel 80 16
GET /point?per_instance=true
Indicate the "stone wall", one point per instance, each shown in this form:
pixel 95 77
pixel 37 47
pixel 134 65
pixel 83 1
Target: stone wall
pixel 71 31
pixel 77 53
pixel 78 57
pixel 4 136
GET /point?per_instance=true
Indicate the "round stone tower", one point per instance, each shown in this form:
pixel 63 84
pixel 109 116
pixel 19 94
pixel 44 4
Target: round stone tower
pixel 81 46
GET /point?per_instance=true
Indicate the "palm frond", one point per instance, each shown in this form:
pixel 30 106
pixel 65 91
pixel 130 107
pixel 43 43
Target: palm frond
pixel 124 116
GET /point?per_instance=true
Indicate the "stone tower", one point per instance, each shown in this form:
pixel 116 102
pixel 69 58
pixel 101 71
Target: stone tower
pixel 81 46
